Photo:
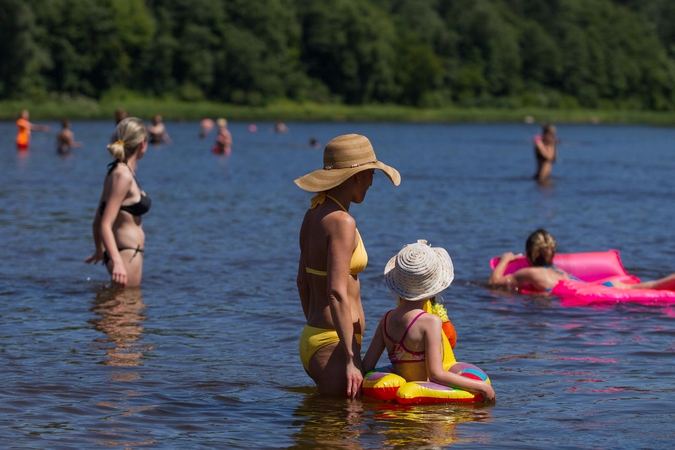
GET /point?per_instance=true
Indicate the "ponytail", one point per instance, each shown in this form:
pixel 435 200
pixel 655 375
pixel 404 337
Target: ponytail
pixel 129 134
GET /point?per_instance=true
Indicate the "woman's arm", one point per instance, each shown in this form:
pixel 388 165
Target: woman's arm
pixel 374 350
pixel 434 357
pixel 96 231
pixel 120 185
pixel 547 153
pixel 498 279
pixel 341 244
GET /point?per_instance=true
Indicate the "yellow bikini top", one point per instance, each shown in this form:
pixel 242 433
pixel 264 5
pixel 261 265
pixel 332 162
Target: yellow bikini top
pixel 359 257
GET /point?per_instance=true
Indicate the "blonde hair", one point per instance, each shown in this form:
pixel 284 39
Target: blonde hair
pixel 540 248
pixel 221 122
pixel 129 134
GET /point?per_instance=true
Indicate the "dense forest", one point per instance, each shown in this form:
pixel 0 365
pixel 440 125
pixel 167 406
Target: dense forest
pixel 428 53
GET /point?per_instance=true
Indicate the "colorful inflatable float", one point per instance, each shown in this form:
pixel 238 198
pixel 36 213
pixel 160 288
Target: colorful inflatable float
pixel 595 270
pixel 383 384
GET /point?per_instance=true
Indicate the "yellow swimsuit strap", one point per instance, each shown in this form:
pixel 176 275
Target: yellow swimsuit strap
pixel 319 198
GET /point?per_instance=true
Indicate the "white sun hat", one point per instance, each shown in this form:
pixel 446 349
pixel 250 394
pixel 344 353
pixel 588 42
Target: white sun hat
pixel 419 271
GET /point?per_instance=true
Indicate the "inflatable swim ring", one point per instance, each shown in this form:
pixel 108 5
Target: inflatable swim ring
pixel 594 269
pixel 383 384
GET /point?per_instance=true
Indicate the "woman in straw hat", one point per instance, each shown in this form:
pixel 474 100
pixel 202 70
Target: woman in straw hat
pixel 331 256
pixel 417 274
pixel 118 230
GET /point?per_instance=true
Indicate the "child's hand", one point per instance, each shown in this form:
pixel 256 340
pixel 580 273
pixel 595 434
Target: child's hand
pixel 488 393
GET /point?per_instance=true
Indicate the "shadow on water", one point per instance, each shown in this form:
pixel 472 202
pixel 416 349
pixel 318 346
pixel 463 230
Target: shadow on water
pixel 354 424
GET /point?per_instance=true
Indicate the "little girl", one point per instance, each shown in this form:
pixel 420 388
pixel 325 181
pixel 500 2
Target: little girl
pixel 414 339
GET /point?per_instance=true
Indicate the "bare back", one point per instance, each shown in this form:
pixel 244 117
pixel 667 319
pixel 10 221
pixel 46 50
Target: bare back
pixel 327 241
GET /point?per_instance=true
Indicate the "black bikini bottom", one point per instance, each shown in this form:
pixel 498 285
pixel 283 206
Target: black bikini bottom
pixel 106 257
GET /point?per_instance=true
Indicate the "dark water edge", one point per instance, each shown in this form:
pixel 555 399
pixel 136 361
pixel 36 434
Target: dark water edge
pixel 204 354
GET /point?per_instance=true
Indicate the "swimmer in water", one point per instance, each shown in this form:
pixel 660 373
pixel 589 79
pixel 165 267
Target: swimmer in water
pixel 281 128
pixel 65 140
pixel 205 126
pixel 224 139
pixel 542 276
pixel 545 152
pixel 24 127
pixel 119 239
pixel 332 255
pixel 157 132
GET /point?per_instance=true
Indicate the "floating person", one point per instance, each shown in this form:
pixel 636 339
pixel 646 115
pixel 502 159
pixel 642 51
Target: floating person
pixel 414 339
pixel 157 132
pixel 314 143
pixel 223 144
pixel 118 231
pixel 24 128
pixel 205 126
pixel 280 127
pixel 543 276
pixel 332 255
pixel 252 128
pixel 65 140
pixel 545 152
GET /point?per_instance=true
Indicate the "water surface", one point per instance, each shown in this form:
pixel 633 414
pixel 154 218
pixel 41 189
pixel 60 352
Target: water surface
pixel 204 354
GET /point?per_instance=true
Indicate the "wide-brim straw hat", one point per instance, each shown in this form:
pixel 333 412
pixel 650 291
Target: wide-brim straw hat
pixel 419 271
pixel 343 157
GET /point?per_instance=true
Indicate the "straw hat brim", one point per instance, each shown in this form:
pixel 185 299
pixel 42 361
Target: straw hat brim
pixel 445 275
pixel 324 179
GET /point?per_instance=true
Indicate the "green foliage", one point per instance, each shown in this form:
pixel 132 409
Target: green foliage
pixel 488 53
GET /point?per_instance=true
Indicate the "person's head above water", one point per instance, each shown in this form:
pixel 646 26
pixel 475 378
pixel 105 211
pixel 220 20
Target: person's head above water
pixel 419 271
pixel 343 157
pixel 548 131
pixel 129 135
pixel 540 248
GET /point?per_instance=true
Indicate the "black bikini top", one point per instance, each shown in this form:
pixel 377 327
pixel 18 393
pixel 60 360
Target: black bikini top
pixel 137 209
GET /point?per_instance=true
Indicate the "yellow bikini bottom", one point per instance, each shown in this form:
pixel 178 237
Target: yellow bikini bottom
pixel 314 339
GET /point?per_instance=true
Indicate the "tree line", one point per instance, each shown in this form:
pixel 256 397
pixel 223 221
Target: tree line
pixel 427 53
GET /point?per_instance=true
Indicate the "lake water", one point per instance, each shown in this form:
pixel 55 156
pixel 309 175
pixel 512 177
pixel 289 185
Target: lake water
pixel 204 355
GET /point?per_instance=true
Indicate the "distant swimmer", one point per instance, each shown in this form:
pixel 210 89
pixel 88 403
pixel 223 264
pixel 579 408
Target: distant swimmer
pixel 65 140
pixel 224 139
pixel 205 126
pixel 314 143
pixel 545 152
pixel 157 132
pixel 24 127
pixel 280 127
pixel 120 115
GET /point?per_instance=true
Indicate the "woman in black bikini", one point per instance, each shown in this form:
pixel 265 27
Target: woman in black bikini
pixel 118 231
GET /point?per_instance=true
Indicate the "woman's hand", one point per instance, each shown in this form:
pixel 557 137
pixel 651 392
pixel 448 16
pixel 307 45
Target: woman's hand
pixel 119 274
pixel 354 381
pixel 510 256
pixel 95 258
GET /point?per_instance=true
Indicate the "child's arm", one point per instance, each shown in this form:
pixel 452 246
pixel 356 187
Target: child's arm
pixel 374 350
pixel 434 357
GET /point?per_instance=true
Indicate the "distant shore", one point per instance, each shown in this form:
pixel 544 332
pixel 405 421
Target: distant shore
pixel 86 109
